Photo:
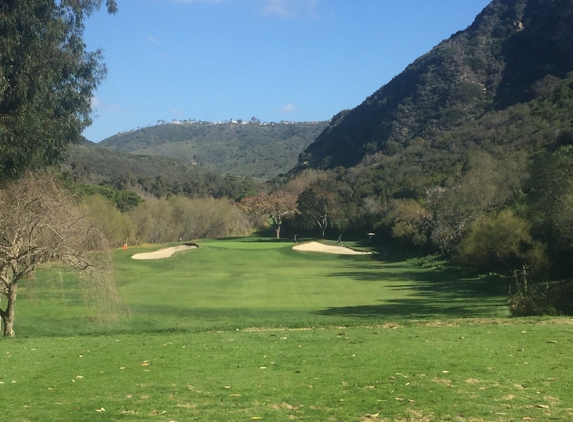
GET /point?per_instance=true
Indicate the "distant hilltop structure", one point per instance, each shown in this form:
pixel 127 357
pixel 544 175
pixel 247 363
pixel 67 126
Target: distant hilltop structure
pixel 190 122
pixel 253 121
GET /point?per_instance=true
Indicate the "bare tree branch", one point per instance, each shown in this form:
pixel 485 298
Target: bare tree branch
pixel 40 223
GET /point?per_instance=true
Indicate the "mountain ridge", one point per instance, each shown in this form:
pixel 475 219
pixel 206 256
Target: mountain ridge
pixel 253 149
pixel 496 62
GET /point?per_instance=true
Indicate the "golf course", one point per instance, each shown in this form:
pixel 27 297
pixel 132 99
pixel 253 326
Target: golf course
pixel 251 329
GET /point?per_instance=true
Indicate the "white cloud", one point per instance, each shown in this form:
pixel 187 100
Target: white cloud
pixel 289 8
pixel 96 103
pixel 175 111
pixel 99 105
pixel 153 40
pixel 113 108
pixel 289 108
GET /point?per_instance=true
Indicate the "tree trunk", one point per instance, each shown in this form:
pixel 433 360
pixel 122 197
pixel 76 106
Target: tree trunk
pixel 323 225
pixel 8 314
pixel 278 231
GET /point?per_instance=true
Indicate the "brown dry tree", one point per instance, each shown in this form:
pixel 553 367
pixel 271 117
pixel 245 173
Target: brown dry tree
pixel 40 223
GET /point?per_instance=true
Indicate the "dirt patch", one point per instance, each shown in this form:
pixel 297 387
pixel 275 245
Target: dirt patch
pixel 442 381
pixel 319 247
pixel 164 253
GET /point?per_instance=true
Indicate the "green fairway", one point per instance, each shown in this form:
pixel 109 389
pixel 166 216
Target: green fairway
pixel 249 329
pixel 239 283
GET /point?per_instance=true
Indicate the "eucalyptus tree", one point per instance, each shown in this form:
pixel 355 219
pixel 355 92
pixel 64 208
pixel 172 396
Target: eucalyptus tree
pixel 47 80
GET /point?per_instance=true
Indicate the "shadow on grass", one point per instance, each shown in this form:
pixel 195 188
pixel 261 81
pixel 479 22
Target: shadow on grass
pixel 434 293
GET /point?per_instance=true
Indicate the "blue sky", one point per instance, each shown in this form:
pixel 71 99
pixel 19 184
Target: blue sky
pixel 298 60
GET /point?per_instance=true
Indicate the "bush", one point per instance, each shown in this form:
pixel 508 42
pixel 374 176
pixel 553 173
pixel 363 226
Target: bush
pixel 410 222
pixel 497 241
pixel 542 299
pixel 181 218
pixel 116 227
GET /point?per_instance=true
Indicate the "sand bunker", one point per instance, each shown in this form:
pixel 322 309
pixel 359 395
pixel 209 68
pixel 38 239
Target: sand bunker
pixel 319 247
pixel 163 253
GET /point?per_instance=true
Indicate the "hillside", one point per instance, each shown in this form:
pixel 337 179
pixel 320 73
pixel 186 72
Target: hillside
pixel 156 175
pixel 247 150
pixel 514 51
pixel 469 153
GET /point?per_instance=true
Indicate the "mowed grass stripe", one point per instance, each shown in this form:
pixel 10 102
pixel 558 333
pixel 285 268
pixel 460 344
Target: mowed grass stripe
pixel 276 278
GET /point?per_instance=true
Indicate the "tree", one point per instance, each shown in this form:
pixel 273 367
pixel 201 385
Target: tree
pixel 497 241
pixel 550 190
pixel 411 222
pixel 488 186
pixel 39 223
pixel 320 203
pixel 47 80
pixel 276 206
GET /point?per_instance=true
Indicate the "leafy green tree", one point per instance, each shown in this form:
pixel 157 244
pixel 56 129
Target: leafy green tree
pixel 550 210
pixel 47 79
pixel 500 241
pixel 411 222
pixel 550 190
pixel 487 186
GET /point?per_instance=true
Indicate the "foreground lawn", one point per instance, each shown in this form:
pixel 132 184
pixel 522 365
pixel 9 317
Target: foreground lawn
pixel 240 283
pixel 461 371
pixel 248 329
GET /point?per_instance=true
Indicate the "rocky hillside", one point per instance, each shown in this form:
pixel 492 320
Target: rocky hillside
pixel 514 51
pixel 248 150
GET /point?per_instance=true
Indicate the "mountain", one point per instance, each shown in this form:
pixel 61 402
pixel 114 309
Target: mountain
pixel 254 149
pixel 469 148
pixel 514 51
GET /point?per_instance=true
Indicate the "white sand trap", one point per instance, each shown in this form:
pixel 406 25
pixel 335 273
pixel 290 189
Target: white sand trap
pixel 163 253
pixel 319 247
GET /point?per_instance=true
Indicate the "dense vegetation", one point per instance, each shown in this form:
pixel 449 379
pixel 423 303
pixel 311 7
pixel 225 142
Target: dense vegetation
pixel 152 176
pixel 165 220
pixel 248 150
pixel 468 152
pixel 504 58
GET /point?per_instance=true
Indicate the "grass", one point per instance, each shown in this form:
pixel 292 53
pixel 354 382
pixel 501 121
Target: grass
pixel 422 372
pixel 248 329
pixel 240 283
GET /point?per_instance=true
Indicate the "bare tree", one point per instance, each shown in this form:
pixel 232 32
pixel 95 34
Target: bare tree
pixel 276 206
pixel 39 223
pixel 320 203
